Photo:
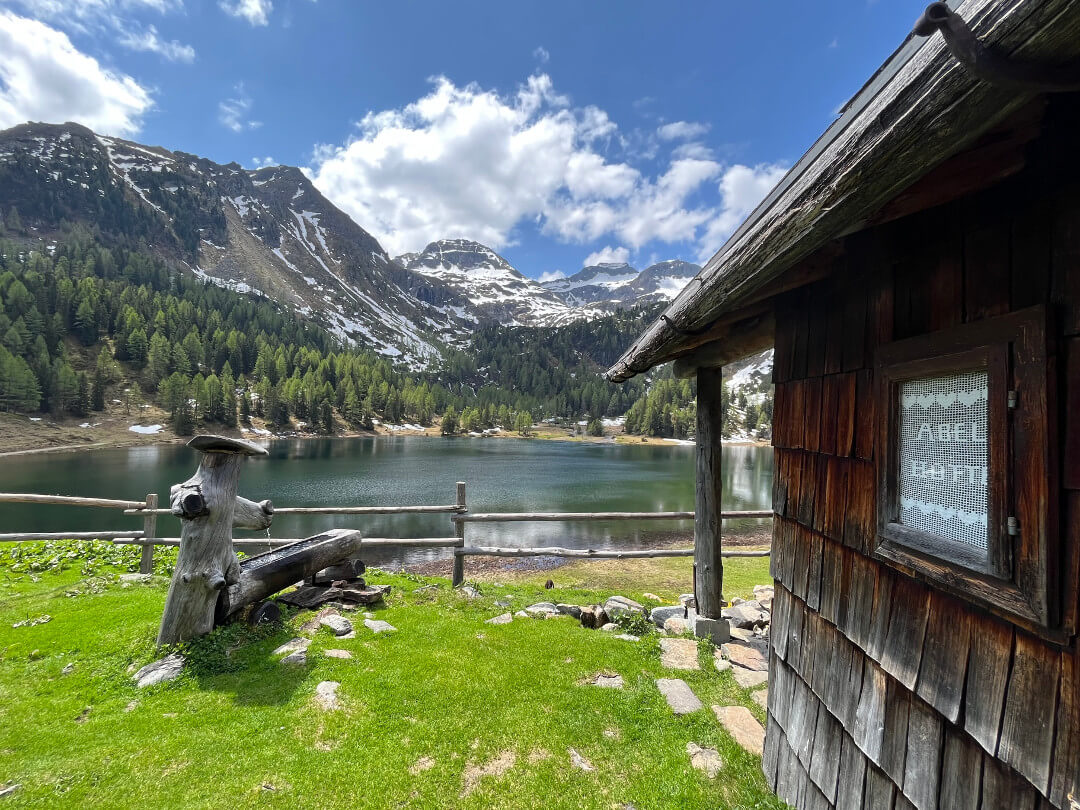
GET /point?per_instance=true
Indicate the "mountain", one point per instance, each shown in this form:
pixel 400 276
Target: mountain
pixel 617 285
pixel 486 288
pixel 267 231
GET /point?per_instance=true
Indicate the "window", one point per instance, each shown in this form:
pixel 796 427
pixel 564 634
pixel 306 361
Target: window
pixel 964 424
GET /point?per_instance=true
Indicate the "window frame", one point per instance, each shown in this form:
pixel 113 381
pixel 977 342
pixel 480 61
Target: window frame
pixel 1015 579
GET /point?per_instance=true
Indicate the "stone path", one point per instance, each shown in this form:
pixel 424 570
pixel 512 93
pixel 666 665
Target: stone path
pixel 505 618
pixel 679 696
pixel 608 681
pixel 337 653
pixel 761 698
pixel 748 678
pixel 706 760
pixel 292 645
pixel 379 626
pixel 679 653
pixel 743 726
pixel 326 696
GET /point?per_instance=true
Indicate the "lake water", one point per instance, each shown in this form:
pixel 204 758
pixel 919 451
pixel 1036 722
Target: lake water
pixel 502 475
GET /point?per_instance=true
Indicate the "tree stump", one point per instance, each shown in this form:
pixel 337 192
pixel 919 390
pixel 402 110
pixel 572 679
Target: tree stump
pixel 209 508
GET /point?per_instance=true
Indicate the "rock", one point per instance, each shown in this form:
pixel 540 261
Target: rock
pixel 610 627
pixel 652 597
pixel 722 664
pixel 688 600
pixel 45 619
pixel 521 614
pixel 504 602
pixel 350 634
pixel 742 725
pixel 468 592
pixel 569 610
pixel 677 626
pixel 67 670
pixel 659 615
pixel 295 659
pixel 314 623
pixel 749 678
pixel 293 645
pixel 378 626
pixel 132 704
pixel 679 653
pixel 135 578
pixel 763 592
pixel 678 695
pixel 746 615
pixel 617 606
pixel 165 669
pixel 608 681
pixel 337 623
pixel 587 618
pixel 742 634
pixel 761 698
pixel 504 618
pixel 706 760
pixel 9 788
pixel 628 637
pixel 337 653
pixel 579 762
pixel 715 630
pixel 541 610
pixel 736 600
pixel 746 655
pixel 326 696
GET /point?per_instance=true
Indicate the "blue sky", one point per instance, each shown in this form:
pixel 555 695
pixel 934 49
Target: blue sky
pixel 553 131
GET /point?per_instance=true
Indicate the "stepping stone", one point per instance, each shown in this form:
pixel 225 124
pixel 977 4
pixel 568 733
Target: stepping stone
pixel 469 592
pixel 706 760
pixel 292 645
pixel 521 614
pixel 628 637
pixel 608 681
pixel 679 653
pixel 337 653
pixel 379 626
pixel 312 625
pixel 616 606
pixel 337 623
pixel 749 678
pixel 579 762
pixel 326 696
pixel 741 725
pixel 746 655
pixel 678 695
pixel 659 615
pixel 166 669
pixel 505 618
pixel 677 626
pixel 295 659
pixel 761 698
pixel 722 664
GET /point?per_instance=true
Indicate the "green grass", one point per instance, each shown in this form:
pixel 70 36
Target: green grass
pixel 239 730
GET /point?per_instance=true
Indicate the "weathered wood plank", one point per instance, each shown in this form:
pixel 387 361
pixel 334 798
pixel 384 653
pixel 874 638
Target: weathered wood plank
pixel 836 498
pixel 880 791
pixel 821 295
pixel 902 651
pixel 801 568
pixel 813 576
pixel 987 259
pixel 856 620
pixel 829 415
pixel 1065 779
pixel 961 772
pixel 922 762
pixel 1027 731
pixel 851 776
pixel 802 721
pixel 860 512
pixel 825 762
pixel 865 420
pixel 821 492
pixel 945 655
pixel 879 619
pixel 1002 788
pixel 894 739
pixel 869 729
pixel 813 413
pixel 773 735
pixel 845 414
pixel 987 677
pixel 832 569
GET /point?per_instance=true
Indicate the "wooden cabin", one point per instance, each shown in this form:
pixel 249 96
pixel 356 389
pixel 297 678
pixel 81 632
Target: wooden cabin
pixel 918 273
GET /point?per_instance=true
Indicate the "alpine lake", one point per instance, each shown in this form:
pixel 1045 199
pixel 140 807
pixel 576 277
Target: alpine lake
pixel 501 475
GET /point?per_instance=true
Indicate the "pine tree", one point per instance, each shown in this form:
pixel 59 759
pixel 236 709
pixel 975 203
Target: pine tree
pixel 449 422
pixel 81 406
pixel 97 396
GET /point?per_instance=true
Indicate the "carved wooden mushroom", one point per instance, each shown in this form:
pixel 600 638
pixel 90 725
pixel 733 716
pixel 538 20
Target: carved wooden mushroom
pixel 209 508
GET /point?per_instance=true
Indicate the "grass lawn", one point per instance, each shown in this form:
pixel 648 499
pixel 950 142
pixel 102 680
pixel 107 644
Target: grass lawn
pixel 446 712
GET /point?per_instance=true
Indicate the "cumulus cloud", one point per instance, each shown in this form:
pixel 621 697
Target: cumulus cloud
pixel 551 275
pixel 235 113
pixel 607 255
pixel 682 130
pixel 541 55
pixel 256 12
pixel 43 77
pixel 741 189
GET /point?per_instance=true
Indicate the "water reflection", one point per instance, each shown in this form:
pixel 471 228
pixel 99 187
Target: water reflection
pixel 502 475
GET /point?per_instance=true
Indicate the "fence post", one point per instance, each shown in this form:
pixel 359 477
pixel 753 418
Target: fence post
pixel 149 525
pixel 459 527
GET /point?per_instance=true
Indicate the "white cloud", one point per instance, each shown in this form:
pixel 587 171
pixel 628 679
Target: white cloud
pixel 607 255
pixel 148 40
pixel 256 12
pixel 43 77
pixel 263 162
pixel 234 113
pixel 682 130
pixel 541 55
pixel 551 275
pixel 741 189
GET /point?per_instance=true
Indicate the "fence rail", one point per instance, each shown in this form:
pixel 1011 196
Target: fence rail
pixel 458 511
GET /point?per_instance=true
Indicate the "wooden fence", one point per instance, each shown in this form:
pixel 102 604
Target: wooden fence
pixel 459 512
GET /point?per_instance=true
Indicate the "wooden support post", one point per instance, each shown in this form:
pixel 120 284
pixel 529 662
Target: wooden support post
pixel 149 526
pixel 708 565
pixel 459 526
pixel 206 564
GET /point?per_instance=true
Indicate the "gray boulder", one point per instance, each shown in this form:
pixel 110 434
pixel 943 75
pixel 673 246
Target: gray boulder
pixel 746 615
pixel 339 624
pixel 165 669
pixel 504 618
pixel 617 606
pixel 541 610
pixel 569 610
pixel 661 614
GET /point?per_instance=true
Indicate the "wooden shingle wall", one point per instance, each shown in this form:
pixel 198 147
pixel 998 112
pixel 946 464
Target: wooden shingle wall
pixel 887 692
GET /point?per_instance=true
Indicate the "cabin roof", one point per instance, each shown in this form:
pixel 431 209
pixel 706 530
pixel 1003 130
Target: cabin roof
pixel 920 108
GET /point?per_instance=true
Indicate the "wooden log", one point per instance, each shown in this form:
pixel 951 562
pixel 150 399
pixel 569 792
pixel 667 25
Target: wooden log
pixel 458 574
pixel 747 337
pixel 338 510
pixel 207 563
pixel 29 536
pixel 277 542
pixel 557 551
pixel 525 517
pixel 146 560
pixel 69 500
pixel 708 564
